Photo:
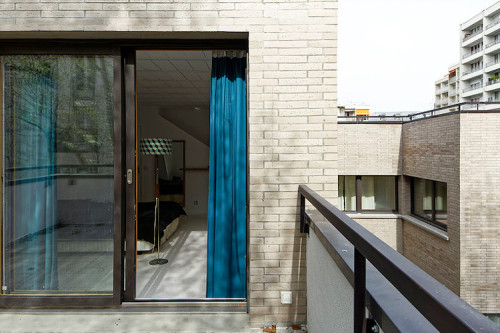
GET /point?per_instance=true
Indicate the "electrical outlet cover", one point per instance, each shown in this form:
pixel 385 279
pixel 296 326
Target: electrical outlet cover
pixel 286 297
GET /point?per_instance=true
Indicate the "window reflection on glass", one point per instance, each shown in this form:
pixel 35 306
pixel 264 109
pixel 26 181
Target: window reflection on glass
pixel 58 171
pixel 347 193
pixel 430 201
pixel 422 198
pixel 441 202
pixel 379 193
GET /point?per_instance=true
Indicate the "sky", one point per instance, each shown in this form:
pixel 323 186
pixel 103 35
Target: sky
pixel 390 52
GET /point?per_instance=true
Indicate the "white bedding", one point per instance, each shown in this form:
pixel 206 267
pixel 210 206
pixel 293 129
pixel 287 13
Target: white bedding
pixel 144 246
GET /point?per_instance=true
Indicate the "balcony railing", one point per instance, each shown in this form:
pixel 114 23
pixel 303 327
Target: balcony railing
pixel 404 118
pixel 473 87
pixel 400 296
pixel 489 64
pixel 475 33
pixel 492 24
pixel 492 43
pixel 453 79
pixel 490 82
pixel 472 71
pixel 472 53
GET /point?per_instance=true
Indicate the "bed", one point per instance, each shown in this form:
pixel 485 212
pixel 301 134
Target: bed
pixel 170 212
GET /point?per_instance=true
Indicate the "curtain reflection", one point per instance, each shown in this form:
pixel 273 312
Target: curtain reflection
pixel 58 193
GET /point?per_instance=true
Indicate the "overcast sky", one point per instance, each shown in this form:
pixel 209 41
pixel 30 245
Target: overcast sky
pixel 390 52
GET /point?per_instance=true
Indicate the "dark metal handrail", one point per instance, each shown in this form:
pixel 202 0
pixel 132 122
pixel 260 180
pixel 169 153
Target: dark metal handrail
pixel 440 306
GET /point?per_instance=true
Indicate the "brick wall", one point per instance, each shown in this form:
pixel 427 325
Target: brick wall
pixel 370 149
pixel 292 109
pixel 387 229
pixel 480 211
pixel 432 151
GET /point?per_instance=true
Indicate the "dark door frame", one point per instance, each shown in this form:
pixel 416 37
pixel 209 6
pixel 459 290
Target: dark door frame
pixel 123 52
pixel 55 300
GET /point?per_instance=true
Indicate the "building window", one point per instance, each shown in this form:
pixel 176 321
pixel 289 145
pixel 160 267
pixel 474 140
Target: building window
pixel 429 201
pixel 368 193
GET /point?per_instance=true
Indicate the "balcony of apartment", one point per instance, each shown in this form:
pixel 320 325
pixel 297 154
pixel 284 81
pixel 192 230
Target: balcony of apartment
pixel 472 56
pixel 492 47
pixel 358 283
pixel 492 66
pixel 452 80
pixel 474 89
pixel 472 73
pixel 492 27
pixel 441 90
pixel 452 92
pixel 472 38
pixel 493 84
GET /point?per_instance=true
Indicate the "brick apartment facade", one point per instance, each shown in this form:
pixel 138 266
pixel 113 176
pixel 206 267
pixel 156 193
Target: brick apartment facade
pixel 459 150
pixel 292 85
pixel 294 138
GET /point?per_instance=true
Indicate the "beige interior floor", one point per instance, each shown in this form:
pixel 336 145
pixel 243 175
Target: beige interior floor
pixel 184 276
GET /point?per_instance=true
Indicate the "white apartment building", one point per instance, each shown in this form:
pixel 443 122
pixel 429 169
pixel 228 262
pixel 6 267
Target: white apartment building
pixel 480 56
pixel 477 77
pixel 447 89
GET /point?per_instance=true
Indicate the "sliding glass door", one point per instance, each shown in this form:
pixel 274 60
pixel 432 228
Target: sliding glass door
pixel 59 175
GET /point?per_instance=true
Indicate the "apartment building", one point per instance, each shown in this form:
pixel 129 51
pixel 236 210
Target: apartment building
pixel 447 89
pixel 86 83
pixel 480 56
pixel 425 185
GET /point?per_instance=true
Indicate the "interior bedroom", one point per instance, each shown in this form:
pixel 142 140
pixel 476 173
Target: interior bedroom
pixel 173 103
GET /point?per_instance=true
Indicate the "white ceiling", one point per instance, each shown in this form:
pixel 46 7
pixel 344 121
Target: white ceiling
pixel 177 85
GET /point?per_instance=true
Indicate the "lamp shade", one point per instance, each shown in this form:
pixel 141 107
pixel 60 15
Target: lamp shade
pixel 155 146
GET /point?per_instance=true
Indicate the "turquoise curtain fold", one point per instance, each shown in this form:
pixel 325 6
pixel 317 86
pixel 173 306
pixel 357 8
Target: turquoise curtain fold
pixel 33 188
pixel 226 248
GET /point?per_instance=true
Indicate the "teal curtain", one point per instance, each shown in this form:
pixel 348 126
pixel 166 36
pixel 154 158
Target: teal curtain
pixel 32 186
pixel 226 259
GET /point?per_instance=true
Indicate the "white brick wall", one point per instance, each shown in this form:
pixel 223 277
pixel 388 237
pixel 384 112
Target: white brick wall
pixel 292 109
pixel 370 149
pixel 480 211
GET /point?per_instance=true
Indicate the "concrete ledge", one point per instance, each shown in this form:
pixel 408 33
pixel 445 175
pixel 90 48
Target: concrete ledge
pixel 83 321
pixel 373 216
pixel 426 226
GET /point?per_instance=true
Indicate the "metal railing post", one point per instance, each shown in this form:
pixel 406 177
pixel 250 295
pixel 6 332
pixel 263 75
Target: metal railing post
pixel 302 213
pixel 359 292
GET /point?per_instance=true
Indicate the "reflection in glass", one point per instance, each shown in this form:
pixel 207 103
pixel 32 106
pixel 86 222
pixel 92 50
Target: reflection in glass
pixel 441 203
pixel 58 174
pixel 347 193
pixel 422 198
pixel 378 193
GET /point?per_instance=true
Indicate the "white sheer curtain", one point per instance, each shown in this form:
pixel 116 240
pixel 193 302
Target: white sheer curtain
pixel 379 193
pixel 347 193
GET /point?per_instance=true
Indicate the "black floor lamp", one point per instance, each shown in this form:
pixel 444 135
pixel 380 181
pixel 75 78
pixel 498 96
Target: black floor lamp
pixel 156 147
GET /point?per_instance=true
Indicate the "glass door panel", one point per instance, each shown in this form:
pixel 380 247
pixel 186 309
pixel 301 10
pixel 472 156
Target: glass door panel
pixel 58 164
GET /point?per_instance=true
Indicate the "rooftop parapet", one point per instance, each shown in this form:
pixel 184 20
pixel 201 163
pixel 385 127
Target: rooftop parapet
pixel 465 107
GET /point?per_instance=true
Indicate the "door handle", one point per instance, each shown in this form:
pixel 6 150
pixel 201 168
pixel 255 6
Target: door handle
pixel 129 176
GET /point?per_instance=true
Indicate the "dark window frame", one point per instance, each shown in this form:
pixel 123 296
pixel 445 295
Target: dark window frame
pixel 120 49
pixel 359 192
pixel 432 221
